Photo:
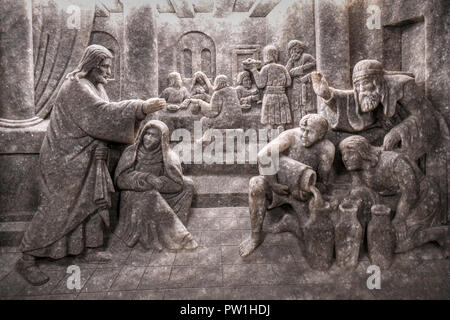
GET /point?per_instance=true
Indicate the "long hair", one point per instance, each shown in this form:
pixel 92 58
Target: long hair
pixel 363 147
pixel 221 82
pixel 93 56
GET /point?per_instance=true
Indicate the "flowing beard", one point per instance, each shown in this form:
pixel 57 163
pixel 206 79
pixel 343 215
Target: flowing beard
pixel 369 101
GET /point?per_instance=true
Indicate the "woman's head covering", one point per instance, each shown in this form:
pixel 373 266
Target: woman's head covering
pixel 201 75
pixel 92 58
pixel 171 160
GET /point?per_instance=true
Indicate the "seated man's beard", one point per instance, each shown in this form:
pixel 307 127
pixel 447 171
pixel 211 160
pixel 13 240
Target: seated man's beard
pixel 369 100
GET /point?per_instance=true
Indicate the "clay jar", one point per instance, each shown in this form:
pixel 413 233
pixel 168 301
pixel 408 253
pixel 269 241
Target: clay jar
pixel 318 234
pixel 348 234
pixel 381 237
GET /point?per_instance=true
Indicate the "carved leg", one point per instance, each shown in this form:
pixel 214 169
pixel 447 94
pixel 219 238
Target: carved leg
pixel 257 207
pixel 439 234
pixel 26 267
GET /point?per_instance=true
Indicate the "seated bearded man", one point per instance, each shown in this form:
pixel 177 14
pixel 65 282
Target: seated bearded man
pixel 303 153
pixel 155 196
pixel 378 173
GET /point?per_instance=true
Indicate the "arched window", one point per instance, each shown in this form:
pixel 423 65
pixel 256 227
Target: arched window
pixel 187 57
pixel 206 62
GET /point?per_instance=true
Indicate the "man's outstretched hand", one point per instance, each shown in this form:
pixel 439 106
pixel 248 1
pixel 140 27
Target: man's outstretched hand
pixel 320 85
pixel 153 105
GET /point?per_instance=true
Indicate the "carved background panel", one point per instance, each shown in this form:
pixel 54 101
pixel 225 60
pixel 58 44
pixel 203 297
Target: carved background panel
pixel 196 51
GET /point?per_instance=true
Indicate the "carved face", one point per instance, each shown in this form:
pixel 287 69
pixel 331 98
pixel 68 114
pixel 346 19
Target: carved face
pixel 352 159
pixel 368 93
pixel 247 82
pixel 309 134
pixel 296 53
pixel 151 139
pixel 102 73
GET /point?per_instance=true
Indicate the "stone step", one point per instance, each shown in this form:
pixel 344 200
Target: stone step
pixel 221 191
pixel 212 192
pixel 11 232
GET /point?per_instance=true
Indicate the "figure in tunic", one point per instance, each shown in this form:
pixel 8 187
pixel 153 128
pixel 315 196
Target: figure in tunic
pixel 248 94
pixel 274 78
pixel 75 184
pixel 306 160
pixel 155 197
pixel 388 173
pixel 175 94
pixel 386 106
pixel 300 65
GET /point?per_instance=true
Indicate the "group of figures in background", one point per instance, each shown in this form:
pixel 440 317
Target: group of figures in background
pixel 262 84
pixel 156 197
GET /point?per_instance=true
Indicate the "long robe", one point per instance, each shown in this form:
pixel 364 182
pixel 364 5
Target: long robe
pixel 147 213
pixel 74 181
pixel 224 111
pixel 302 98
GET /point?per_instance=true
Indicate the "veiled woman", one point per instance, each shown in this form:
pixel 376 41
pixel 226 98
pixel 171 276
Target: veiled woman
pixel 201 87
pixel 155 197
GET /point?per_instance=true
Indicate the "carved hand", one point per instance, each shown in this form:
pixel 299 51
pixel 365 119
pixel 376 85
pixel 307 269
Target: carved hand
pixel 153 105
pixel 280 188
pixel 391 139
pixel 320 85
pixel 154 181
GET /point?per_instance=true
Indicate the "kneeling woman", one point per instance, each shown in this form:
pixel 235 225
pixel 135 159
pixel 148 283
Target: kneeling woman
pixel 155 196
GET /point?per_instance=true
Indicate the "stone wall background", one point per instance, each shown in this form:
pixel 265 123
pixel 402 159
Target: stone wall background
pixel 143 35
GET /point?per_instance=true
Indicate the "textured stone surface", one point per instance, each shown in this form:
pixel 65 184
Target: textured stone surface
pixel 42 41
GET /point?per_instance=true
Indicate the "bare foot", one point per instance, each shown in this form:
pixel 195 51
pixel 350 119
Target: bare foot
pixel 249 245
pixel 31 272
pixel 191 245
pixel 288 223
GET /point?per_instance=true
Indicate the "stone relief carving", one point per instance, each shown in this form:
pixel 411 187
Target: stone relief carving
pixel 75 182
pixel 196 52
pixel 248 93
pixel 274 78
pixel 388 173
pixel 175 94
pixel 393 192
pixel 155 196
pixel 388 101
pixel 306 157
pixel 300 65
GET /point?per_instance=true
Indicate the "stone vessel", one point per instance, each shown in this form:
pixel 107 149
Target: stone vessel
pixel 318 235
pixel 381 237
pixel 348 235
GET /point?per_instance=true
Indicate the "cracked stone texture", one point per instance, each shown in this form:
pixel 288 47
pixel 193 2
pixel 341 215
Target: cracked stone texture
pixel 276 270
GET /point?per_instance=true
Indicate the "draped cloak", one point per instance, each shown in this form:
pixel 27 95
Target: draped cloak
pixel 74 181
pixel 147 213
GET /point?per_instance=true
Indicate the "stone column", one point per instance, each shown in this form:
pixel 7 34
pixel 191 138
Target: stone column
pixel 332 41
pixel 140 73
pixel 16 65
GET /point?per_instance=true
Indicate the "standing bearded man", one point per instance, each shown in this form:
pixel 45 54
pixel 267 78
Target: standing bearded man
pixel 300 65
pixel 74 180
